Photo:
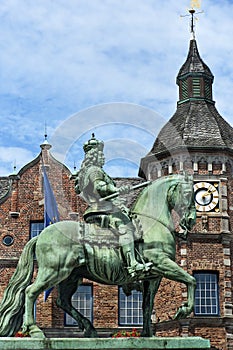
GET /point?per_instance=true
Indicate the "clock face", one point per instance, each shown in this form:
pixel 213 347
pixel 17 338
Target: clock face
pixel 206 196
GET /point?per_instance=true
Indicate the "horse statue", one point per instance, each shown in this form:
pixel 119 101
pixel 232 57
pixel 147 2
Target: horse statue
pixel 69 251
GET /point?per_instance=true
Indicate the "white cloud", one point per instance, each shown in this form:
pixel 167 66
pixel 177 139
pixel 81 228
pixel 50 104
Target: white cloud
pixel 11 157
pixel 60 57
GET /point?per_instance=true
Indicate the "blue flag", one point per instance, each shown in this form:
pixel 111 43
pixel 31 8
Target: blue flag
pixel 51 214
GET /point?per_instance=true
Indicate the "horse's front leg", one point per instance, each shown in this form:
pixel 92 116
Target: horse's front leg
pixel 65 291
pixel 149 290
pixel 186 309
pixel 172 271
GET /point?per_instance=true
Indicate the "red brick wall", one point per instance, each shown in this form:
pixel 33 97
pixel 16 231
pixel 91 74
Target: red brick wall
pixel 26 198
pixel 216 335
pixel 105 306
pixel 202 252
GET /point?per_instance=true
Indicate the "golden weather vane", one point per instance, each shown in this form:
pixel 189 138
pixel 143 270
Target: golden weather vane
pixel 193 4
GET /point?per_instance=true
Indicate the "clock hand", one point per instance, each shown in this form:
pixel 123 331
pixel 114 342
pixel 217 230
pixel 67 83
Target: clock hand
pixel 208 192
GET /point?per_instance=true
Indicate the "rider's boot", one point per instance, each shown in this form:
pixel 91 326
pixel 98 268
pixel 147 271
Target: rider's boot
pixel 133 266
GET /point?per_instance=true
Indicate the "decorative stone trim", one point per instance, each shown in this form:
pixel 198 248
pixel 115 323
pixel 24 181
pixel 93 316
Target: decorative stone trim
pixel 14 214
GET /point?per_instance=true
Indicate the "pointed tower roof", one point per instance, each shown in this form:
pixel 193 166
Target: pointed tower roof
pixel 194 65
pixel 196 120
pixel 194 79
pixel 196 124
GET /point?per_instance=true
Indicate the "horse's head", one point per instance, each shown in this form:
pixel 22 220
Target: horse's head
pixel 181 199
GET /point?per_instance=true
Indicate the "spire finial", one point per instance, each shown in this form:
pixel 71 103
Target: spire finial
pixel 194 4
pixel 15 167
pixel 45 144
pixel 45 131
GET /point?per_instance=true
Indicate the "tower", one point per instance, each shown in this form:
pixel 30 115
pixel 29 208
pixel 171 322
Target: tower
pixel 198 139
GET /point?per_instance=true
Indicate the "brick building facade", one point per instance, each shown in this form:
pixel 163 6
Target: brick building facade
pixel 22 217
pixel 195 138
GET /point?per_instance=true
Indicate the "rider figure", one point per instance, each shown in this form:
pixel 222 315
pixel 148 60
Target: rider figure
pixel 95 184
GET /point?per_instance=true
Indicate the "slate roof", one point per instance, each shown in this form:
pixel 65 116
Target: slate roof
pixel 194 63
pixel 195 124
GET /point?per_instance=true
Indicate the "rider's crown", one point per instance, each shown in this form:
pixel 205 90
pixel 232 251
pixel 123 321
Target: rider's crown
pixel 93 143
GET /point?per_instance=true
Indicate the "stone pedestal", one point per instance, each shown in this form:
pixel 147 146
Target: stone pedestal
pixel 176 343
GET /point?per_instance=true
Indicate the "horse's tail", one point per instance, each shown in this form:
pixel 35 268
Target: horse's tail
pixel 12 304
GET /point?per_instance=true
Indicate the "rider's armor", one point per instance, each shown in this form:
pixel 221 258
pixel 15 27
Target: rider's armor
pixel 95 174
pixel 95 184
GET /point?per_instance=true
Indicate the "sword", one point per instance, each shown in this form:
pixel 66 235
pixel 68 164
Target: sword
pixel 116 194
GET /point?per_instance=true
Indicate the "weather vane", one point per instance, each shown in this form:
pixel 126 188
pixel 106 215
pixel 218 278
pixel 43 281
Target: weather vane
pixel 194 4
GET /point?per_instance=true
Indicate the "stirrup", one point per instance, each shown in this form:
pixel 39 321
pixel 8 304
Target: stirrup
pixel 148 266
pixel 137 268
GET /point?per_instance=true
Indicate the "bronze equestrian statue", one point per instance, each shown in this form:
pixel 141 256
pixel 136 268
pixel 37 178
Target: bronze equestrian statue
pixel 113 246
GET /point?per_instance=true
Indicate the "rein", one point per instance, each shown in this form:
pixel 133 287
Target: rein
pixel 172 200
pixel 157 220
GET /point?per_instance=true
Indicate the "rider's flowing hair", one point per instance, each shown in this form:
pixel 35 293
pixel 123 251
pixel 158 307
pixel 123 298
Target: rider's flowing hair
pixel 91 158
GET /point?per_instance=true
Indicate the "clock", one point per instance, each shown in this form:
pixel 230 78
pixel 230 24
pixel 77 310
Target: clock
pixel 206 196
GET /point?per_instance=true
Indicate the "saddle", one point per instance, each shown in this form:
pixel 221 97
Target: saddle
pixel 97 232
pixel 102 230
pixel 103 250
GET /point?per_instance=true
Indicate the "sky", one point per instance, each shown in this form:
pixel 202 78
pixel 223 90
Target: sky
pixel 103 66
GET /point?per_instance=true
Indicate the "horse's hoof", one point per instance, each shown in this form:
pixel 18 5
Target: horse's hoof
pixel 146 334
pixel 37 335
pixel 91 334
pixel 36 332
pixel 181 313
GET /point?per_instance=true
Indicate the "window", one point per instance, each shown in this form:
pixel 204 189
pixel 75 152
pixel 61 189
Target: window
pixel 82 300
pixel 130 308
pixel 208 90
pixel 196 87
pixel 184 89
pixel 35 228
pixel 206 294
pixel 8 240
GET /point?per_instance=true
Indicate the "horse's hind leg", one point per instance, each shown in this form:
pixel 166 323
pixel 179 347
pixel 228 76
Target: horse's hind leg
pixel 31 294
pixel 45 279
pixel 150 288
pixel 65 291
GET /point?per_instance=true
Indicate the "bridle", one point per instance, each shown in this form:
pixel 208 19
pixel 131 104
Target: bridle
pixel 171 229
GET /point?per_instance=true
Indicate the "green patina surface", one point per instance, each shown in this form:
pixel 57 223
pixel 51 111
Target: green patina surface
pixel 186 343
pixel 67 251
pixel 133 248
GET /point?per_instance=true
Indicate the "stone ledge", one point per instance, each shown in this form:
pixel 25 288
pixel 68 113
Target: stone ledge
pixel 186 343
pixel 196 321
